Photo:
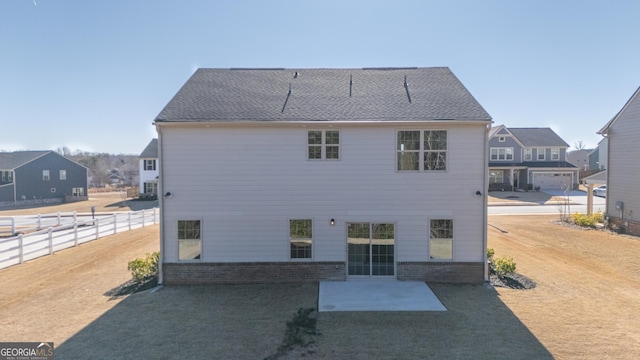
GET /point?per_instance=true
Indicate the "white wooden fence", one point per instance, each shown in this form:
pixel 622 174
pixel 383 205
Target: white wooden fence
pixel 45 234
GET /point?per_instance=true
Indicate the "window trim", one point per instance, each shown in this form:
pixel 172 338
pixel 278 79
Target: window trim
pixel 289 239
pixel 46 175
pixel 63 174
pixel 505 149
pixel 502 139
pixel 421 151
pixel 551 155
pixel 149 165
pixel 200 256
pixel 544 154
pixel 323 145
pixel 528 154
pixel 452 239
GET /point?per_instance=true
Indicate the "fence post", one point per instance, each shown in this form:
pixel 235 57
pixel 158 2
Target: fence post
pixel 154 216
pixel 97 223
pixel 20 249
pixel 143 218
pixel 115 223
pixel 75 233
pixel 129 219
pixel 75 216
pixel 50 241
pixel 39 221
pixel 58 218
pixel 13 226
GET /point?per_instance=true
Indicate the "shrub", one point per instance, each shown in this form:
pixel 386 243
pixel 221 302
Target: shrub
pixel 490 253
pixel 144 269
pixel 587 220
pixel 505 265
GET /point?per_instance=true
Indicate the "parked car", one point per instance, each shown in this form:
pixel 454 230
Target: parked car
pixel 600 191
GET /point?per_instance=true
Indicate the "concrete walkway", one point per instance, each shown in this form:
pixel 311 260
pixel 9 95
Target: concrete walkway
pixel 377 295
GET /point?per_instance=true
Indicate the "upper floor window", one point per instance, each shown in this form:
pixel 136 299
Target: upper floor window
pixel 63 174
pixel 150 164
pixel 502 154
pixel 502 139
pixel 6 176
pixel 323 144
pixel 528 154
pixel 555 154
pixel 541 155
pixel 422 150
pixel 45 175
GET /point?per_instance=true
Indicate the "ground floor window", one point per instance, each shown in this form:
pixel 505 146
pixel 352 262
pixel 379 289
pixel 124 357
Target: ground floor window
pixel 300 238
pixel 79 191
pixel 189 240
pixel 441 239
pixel 150 187
pixel 495 176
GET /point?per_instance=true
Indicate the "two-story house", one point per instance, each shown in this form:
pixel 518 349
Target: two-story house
pixel 529 158
pixel 285 175
pixel 40 176
pixel 148 166
pixel 623 173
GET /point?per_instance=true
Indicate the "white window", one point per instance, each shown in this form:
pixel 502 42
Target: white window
pixel 79 191
pixel 300 238
pixel 422 150
pixel 541 155
pixel 323 144
pixel 502 154
pixel 441 239
pixel 528 155
pixel 495 176
pixel 6 176
pixel 502 139
pixel 45 175
pixel 189 240
pixel 63 174
pixel 150 165
pixel 150 187
pixel 555 154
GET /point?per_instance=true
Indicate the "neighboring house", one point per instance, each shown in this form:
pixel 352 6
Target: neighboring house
pixel 37 175
pixel 598 156
pixel 623 172
pixel 282 175
pixel 149 169
pixel 529 158
pixel 579 158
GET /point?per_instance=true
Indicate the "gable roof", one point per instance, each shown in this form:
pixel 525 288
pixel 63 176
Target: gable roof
pixel 379 94
pixel 151 151
pixel 608 125
pixel 14 160
pixel 532 137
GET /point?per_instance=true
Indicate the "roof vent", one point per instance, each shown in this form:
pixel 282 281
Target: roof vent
pixel 295 75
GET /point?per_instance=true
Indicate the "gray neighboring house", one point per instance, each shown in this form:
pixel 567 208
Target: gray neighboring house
pixel 40 175
pixel 149 170
pixel 598 156
pixel 528 158
pixel 623 172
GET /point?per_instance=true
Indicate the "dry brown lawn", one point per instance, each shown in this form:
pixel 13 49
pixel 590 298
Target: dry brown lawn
pixel 586 305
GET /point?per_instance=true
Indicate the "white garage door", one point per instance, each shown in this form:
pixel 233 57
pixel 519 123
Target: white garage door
pixel 551 181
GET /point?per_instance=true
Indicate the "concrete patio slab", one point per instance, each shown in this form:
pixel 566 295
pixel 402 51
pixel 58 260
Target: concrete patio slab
pixel 377 295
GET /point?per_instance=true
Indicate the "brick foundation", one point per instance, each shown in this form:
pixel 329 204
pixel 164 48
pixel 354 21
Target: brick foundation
pixel 442 272
pixel 626 226
pixel 254 272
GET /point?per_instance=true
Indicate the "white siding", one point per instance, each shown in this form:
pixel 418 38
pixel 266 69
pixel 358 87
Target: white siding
pixel 245 183
pixel 623 182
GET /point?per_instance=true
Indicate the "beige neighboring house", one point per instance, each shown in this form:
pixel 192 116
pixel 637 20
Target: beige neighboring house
pixel 623 175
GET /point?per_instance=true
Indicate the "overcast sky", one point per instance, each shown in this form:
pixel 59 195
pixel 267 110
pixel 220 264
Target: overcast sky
pixel 93 75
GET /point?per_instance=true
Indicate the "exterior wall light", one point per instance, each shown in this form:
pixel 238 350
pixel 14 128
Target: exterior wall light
pixel 332 222
pixel 478 193
pixel 168 195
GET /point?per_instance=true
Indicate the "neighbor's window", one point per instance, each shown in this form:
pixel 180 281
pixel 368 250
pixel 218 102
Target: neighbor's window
pixel 63 174
pixel 501 153
pixel 555 154
pixel 300 238
pixel 541 155
pixel 495 176
pixel 149 164
pixel 189 240
pixel 502 139
pixel 45 175
pixel 441 239
pixel 6 176
pixel 422 150
pixel 323 144
pixel 79 191
pixel 528 155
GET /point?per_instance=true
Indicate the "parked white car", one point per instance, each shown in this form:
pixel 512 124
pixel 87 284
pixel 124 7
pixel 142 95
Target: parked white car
pixel 600 191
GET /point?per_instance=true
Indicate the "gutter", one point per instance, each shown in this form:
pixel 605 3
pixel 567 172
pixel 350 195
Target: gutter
pixel 160 204
pixel 485 208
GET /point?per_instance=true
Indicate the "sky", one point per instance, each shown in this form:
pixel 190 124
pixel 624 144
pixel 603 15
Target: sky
pixel 93 75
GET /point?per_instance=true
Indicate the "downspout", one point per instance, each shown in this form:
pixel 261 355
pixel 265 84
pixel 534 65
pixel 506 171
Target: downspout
pixel 485 198
pixel 15 190
pixel 160 204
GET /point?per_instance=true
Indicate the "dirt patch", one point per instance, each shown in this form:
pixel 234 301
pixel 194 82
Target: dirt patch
pixel 102 202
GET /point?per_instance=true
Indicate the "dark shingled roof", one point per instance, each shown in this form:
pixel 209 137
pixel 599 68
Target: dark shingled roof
pixel 151 151
pixel 13 160
pixel 537 137
pixel 323 95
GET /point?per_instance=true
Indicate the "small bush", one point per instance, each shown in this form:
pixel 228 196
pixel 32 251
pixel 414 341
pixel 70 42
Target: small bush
pixel 144 269
pixel 490 254
pixel 505 265
pixel 587 220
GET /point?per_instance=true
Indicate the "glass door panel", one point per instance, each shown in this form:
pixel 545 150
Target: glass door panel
pixel 359 253
pixel 382 242
pixel 370 249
